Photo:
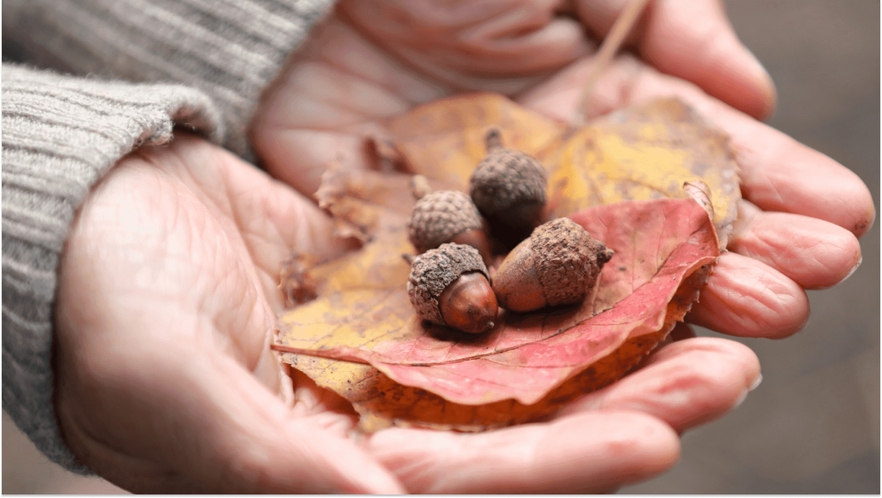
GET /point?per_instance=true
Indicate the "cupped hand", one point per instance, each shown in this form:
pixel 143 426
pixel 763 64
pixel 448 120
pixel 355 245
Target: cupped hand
pixel 622 434
pixel 166 306
pixel 370 60
pixel 802 212
pixel 798 221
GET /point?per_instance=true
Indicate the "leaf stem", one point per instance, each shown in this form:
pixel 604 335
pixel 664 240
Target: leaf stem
pixel 607 51
pixel 317 353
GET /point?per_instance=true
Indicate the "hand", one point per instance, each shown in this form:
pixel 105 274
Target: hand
pixel 165 381
pixel 802 211
pixel 166 305
pixel 619 435
pixel 371 60
pixel 797 224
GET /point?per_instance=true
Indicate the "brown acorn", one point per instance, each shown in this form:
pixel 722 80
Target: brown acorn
pixel 558 264
pixel 508 187
pixel 447 216
pixel 450 286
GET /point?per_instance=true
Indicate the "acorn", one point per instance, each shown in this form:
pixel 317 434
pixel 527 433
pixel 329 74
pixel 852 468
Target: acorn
pixel 447 216
pixel 450 286
pixel 558 264
pixel 508 187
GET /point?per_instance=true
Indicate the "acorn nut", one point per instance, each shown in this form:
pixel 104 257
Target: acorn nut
pixel 447 216
pixel 508 187
pixel 450 286
pixel 558 264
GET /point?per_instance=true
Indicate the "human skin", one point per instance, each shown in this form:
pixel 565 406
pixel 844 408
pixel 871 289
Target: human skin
pixel 167 291
pixel 166 383
pixel 801 214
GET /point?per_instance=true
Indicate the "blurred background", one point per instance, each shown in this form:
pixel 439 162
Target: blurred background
pixel 813 424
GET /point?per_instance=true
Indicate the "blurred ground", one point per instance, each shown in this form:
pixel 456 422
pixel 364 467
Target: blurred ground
pixel 813 424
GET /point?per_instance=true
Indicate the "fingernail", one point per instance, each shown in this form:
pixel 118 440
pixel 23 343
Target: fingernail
pixel 740 399
pixel 760 69
pixel 853 269
pixel 756 382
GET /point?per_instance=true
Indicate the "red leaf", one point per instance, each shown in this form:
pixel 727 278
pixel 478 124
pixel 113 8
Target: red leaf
pixel 658 244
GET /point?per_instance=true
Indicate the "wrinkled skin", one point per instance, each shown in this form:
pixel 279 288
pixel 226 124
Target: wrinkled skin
pixel 167 293
pixel 170 270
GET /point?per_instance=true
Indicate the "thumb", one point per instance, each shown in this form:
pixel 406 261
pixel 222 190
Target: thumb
pixel 694 41
pixel 246 440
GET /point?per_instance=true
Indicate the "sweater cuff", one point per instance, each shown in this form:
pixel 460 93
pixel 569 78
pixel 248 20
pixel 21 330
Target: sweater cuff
pixel 60 135
pixel 231 50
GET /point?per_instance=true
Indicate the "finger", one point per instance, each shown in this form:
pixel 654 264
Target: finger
pixel 777 172
pixel 468 46
pixel 582 453
pixel 694 41
pixel 686 383
pixel 747 298
pixel 813 253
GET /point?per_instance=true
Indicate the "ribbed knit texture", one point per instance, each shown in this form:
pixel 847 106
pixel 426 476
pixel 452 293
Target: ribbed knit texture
pixel 229 49
pixel 60 135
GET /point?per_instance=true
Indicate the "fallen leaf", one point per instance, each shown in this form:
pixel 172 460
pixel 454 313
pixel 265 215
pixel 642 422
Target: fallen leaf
pixel 382 402
pixel 647 152
pixel 360 337
pixel 444 140
pixel 296 282
pixel 658 244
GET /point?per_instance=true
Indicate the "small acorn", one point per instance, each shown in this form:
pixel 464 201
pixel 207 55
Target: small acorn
pixel 447 216
pixel 558 264
pixel 450 286
pixel 508 187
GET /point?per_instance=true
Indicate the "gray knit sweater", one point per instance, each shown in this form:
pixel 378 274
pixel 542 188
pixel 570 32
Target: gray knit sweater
pixel 151 65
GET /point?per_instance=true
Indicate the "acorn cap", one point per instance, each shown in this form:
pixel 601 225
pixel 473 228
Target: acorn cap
pixel 434 270
pixel 440 216
pixel 507 178
pixel 569 260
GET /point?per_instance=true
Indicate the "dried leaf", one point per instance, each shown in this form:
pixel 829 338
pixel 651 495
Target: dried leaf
pixel 444 140
pixel 381 402
pixel 658 244
pixel 633 154
pixel 296 282
pixel 360 337
pixel 646 153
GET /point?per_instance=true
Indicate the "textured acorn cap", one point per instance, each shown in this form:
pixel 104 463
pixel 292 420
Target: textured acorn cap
pixel 568 259
pixel 440 216
pixel 434 270
pixel 507 178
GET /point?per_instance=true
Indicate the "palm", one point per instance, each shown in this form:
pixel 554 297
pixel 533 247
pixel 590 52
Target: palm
pixel 794 232
pixel 172 267
pixel 353 73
